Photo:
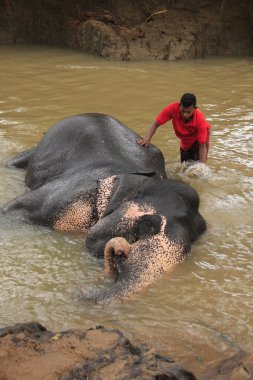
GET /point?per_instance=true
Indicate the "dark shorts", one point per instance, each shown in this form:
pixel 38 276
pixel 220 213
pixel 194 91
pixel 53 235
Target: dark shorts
pixel 193 152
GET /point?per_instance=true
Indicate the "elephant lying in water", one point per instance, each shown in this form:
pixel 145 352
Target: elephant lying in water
pixel 89 175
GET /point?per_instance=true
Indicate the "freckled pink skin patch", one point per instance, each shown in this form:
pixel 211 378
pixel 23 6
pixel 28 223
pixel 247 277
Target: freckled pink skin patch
pixel 104 194
pixel 159 257
pixel 78 217
pixel 134 211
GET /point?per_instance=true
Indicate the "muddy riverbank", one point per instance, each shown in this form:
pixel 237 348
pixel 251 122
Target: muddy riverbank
pixel 30 351
pixel 121 30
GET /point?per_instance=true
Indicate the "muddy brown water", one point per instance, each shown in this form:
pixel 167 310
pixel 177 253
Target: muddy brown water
pixel 203 309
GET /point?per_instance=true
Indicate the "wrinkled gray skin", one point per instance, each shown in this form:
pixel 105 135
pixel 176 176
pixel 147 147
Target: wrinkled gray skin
pixel 88 174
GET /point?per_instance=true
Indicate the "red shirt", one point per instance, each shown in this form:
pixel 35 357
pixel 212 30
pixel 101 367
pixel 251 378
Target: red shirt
pixel 196 129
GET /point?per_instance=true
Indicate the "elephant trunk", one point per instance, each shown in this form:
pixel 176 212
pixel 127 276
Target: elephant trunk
pixel 115 248
pixel 116 256
pixel 137 266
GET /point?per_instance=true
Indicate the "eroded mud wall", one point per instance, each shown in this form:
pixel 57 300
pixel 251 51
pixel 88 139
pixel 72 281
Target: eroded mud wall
pixel 139 29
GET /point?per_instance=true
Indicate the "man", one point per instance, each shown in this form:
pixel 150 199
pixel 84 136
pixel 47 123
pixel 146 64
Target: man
pixel 189 125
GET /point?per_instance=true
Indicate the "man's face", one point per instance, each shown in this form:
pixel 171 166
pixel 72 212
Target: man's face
pixel 187 112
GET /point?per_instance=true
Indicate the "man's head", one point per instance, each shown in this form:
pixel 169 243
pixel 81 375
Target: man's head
pixel 187 106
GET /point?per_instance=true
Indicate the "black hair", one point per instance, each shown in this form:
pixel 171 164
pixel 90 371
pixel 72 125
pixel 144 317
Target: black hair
pixel 188 100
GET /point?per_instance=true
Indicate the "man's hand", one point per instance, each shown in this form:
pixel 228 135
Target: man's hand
pixel 143 142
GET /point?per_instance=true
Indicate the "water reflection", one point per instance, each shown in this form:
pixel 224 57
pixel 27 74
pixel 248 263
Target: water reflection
pixel 204 305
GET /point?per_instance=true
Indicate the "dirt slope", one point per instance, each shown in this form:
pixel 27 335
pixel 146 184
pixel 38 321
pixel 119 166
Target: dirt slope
pixel 31 352
pixel 131 30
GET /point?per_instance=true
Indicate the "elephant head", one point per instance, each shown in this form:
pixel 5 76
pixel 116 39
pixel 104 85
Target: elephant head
pixel 147 227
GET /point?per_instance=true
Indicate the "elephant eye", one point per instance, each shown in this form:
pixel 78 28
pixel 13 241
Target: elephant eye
pixel 149 225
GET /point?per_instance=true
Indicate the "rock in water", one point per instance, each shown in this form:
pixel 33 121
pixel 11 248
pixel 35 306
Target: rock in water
pixel 29 351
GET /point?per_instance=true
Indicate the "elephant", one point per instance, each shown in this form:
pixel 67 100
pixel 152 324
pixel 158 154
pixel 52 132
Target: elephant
pixel 89 175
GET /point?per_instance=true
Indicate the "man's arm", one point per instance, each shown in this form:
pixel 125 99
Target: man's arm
pixel 151 131
pixel 202 153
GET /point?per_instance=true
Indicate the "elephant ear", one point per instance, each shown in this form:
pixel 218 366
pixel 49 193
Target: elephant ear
pixel 127 187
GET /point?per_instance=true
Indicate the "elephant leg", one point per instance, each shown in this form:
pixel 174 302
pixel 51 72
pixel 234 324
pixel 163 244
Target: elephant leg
pixel 42 206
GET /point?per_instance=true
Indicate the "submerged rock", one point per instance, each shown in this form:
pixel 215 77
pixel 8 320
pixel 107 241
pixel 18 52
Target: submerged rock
pixel 237 367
